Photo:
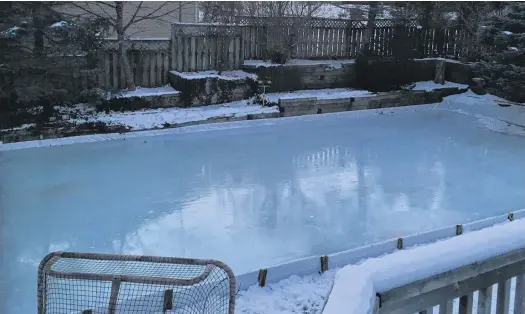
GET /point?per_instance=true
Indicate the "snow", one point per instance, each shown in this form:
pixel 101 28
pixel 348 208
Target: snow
pixel 21 127
pixel 293 295
pixel 226 75
pixel 157 118
pixel 507 33
pixel 447 60
pixel 59 24
pixel 430 85
pixel 355 286
pixel 298 187
pixel 334 93
pixel 336 64
pixel 513 48
pixel 148 91
pixel 506 120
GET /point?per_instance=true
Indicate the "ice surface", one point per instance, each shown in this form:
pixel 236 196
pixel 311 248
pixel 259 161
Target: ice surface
pixel 295 187
pixel 355 286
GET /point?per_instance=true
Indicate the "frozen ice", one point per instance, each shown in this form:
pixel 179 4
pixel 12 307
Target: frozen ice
pixel 256 193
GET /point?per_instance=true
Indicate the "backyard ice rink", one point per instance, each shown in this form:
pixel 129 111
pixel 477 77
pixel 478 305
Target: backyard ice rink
pixel 258 193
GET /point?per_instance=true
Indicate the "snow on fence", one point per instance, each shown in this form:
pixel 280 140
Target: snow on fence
pixel 88 283
pixel 431 277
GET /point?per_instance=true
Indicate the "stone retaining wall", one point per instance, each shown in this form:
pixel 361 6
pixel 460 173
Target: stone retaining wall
pixel 298 77
pixel 306 106
pixel 211 90
pixel 286 78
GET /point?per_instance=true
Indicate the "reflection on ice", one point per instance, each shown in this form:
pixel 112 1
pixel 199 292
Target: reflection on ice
pixel 253 196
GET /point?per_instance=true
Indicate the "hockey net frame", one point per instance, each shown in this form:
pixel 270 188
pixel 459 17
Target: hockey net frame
pixel 164 289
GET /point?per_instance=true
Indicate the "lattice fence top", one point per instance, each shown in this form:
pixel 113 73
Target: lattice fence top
pixel 195 30
pixel 318 22
pixel 140 44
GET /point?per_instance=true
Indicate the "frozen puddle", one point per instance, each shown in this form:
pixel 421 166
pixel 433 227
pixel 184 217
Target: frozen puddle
pixel 257 193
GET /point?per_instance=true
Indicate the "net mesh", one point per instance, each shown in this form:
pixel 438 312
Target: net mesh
pixel 89 283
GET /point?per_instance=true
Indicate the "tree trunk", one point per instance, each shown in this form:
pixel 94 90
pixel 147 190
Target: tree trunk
pixel 122 47
pixel 369 33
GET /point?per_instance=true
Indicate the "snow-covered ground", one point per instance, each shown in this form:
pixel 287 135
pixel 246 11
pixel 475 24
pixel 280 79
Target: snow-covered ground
pixel 157 118
pixel 225 75
pixel 148 91
pixel 333 93
pixel 336 64
pixel 430 85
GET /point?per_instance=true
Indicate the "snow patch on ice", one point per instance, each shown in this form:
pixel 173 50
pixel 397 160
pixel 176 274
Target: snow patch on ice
pixel 336 64
pixel 226 75
pixel 430 85
pixel 148 91
pixel 355 285
pixel 508 120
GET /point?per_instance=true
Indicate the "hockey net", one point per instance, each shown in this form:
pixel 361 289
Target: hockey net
pixel 89 283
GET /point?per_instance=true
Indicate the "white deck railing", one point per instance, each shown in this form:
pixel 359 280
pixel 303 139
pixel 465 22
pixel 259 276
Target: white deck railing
pixel 478 272
pixel 472 284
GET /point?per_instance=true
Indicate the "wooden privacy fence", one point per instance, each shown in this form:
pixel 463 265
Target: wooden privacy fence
pixel 329 38
pixel 198 47
pixel 149 61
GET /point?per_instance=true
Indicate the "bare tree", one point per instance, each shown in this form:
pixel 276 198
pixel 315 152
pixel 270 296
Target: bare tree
pixel 125 18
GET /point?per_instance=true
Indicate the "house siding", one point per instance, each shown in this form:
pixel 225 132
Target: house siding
pixel 183 11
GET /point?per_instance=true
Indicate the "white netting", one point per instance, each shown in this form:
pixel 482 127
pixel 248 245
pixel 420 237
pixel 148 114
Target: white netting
pixel 104 283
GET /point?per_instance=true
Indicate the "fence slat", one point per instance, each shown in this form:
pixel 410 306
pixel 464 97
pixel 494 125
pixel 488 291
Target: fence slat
pixel 503 299
pixel 200 53
pixel 446 307
pixel 485 300
pixel 152 66
pixel 519 302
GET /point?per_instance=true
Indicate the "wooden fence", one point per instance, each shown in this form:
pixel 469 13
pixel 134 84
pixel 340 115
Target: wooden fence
pixel 198 47
pixel 149 61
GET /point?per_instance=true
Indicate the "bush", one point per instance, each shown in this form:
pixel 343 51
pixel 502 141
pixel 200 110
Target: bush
pixel 383 74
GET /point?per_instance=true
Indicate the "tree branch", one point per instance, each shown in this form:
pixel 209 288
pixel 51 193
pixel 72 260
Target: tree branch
pixel 152 16
pixel 109 20
pixel 133 17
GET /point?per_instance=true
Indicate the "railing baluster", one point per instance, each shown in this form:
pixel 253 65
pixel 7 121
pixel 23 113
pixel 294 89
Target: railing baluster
pixel 503 301
pixel 446 307
pixel 519 296
pixel 466 303
pixel 485 300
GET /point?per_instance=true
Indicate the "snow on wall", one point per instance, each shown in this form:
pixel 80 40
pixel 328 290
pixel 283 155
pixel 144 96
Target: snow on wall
pixel 226 75
pixel 355 286
pixel 430 85
pixel 336 64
